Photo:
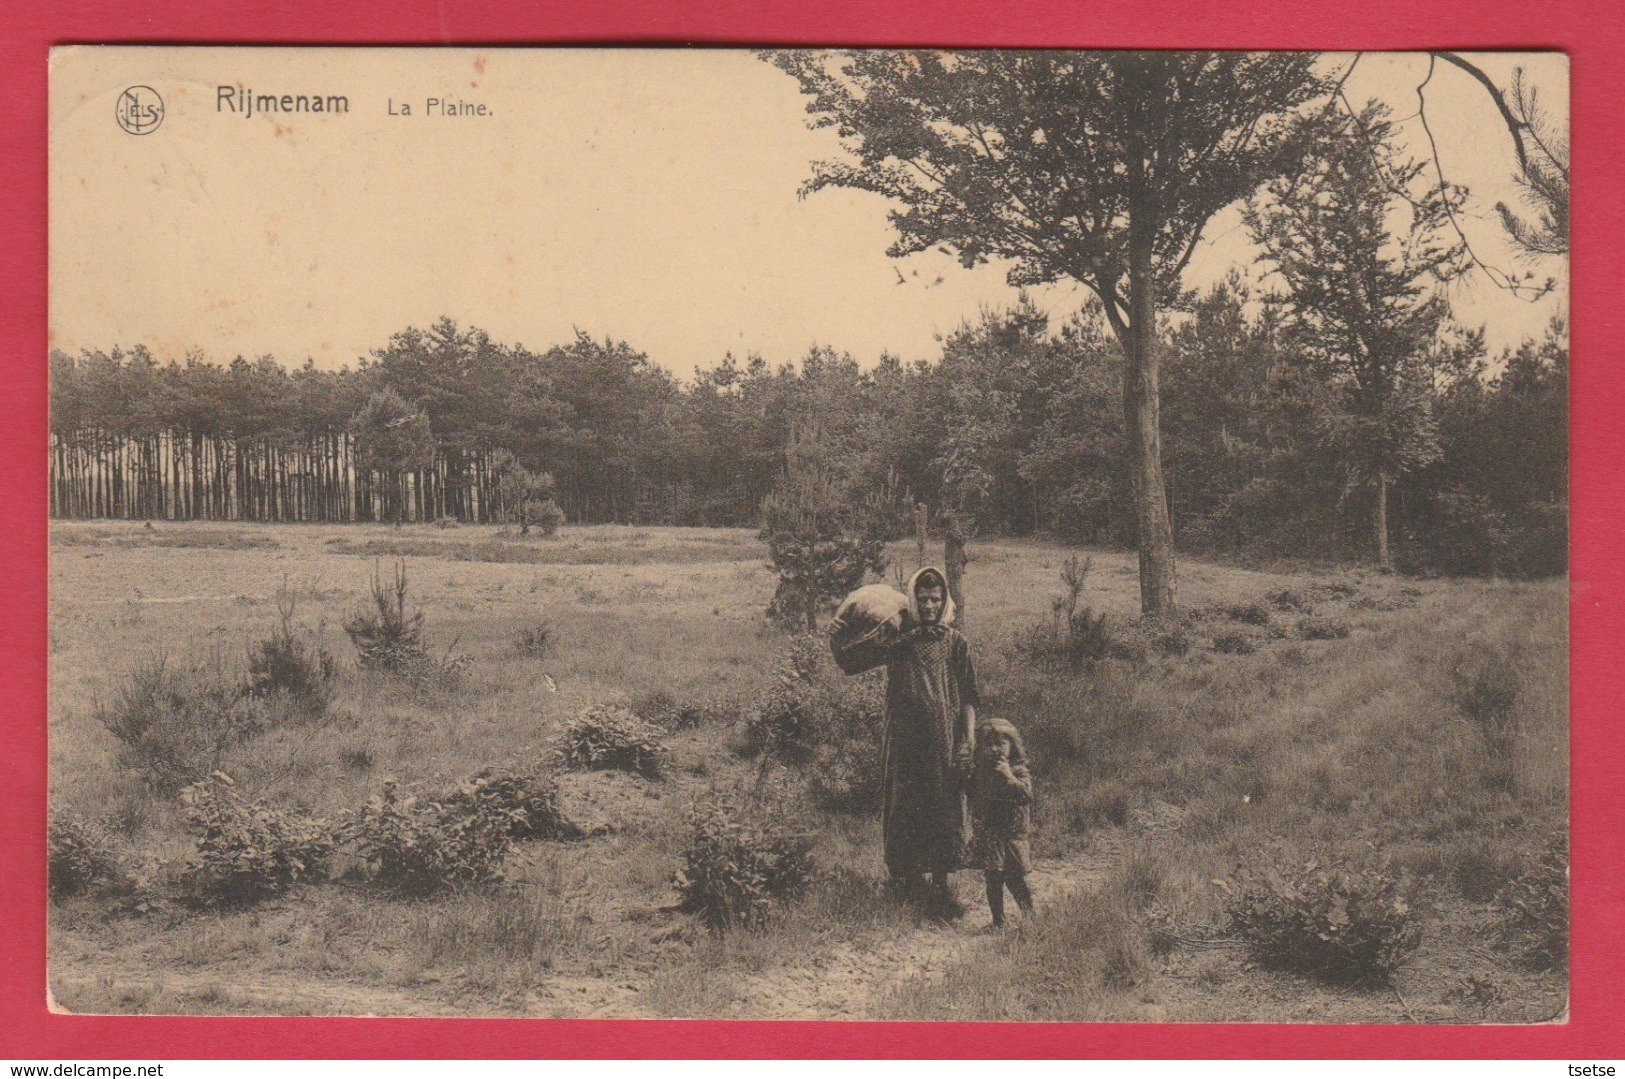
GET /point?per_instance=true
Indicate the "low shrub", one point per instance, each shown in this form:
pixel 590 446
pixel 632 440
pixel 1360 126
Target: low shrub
pixel 415 847
pixel 1327 918
pixel 528 800
pixel 664 710
pixel 1233 643
pixel 736 869
pixel 1252 614
pixel 545 516
pixel 608 736
pixel 386 637
pixel 1534 909
pixel 1290 599
pixel 82 856
pixel 1074 634
pixel 1322 628
pixel 534 640
pixel 825 725
pixel 175 724
pixel 289 664
pixel 248 851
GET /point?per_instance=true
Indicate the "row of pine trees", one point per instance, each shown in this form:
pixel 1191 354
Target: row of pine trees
pixel 1016 428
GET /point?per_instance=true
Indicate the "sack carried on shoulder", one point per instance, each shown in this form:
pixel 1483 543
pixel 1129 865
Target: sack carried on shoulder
pixel 866 622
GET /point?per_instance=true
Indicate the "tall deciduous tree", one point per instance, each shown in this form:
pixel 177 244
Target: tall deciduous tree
pixel 1102 168
pixel 1360 240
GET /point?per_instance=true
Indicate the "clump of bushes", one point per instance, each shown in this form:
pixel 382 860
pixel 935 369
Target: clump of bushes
pixel 1322 628
pixel 175 724
pixel 608 736
pixel 415 847
pixel 527 800
pixel 1534 909
pixel 1290 599
pixel 1233 643
pixel 1326 917
pixel 248 851
pixel 82 856
pixel 1252 614
pixel 824 725
pixel 736 869
pixel 288 665
pixel 1075 634
pixel 662 709
pixel 385 635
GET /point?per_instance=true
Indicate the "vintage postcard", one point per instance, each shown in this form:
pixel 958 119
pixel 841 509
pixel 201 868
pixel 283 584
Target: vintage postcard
pixel 809 534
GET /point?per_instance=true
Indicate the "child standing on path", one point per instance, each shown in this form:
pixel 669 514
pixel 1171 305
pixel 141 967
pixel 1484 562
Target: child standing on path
pixel 1001 797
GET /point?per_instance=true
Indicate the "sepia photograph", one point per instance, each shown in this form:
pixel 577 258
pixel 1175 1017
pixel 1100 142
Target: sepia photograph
pixel 846 534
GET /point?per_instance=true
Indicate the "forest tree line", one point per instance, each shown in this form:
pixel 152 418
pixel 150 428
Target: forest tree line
pixel 1261 439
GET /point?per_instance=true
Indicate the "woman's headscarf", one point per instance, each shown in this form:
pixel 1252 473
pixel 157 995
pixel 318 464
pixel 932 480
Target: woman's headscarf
pixel 914 603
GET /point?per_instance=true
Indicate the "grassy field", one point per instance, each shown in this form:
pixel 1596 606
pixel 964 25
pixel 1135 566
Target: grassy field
pixel 1158 775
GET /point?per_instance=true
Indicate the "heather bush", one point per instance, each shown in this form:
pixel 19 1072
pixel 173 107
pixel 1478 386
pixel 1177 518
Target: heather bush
pixel 386 637
pixel 610 737
pixel 1232 643
pixel 1252 614
pixel 248 851
pixel 288 664
pixel 1326 917
pixel 175 724
pixel 82 856
pixel 1290 599
pixel 1534 908
pixel 415 847
pixel 1075 634
pixel 824 725
pixel 739 865
pixel 1320 628
pixel 527 799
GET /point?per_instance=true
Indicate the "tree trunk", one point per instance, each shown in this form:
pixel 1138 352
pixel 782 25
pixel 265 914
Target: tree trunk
pixel 953 562
pixel 920 530
pixel 1382 522
pixel 1142 425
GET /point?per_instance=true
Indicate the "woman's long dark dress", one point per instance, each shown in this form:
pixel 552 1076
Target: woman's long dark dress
pixel 929 680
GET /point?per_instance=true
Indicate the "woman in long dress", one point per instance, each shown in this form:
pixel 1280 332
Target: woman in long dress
pixel 926 750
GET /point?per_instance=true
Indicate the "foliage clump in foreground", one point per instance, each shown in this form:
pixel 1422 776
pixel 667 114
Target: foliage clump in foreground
pixel 736 869
pixel 415 847
pixel 528 800
pixel 1075 633
pixel 83 856
pixel 386 636
pixel 289 665
pixel 1326 917
pixel 175 724
pixel 1534 908
pixel 824 725
pixel 248 851
pixel 609 737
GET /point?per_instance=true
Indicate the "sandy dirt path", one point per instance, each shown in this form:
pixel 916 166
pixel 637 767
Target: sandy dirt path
pixel 847 981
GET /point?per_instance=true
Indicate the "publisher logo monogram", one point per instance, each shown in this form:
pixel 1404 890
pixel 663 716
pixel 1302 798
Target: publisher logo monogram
pixel 139 110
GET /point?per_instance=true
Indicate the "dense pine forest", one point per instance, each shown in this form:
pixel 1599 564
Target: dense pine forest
pixel 1263 439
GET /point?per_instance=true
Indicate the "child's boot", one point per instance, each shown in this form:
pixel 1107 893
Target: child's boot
pixel 1019 889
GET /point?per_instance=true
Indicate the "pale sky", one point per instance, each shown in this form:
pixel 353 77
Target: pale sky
pixel 650 195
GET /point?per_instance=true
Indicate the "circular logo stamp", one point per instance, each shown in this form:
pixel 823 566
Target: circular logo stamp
pixel 139 110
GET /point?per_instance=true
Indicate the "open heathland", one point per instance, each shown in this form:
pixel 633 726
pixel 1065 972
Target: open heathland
pixel 1325 795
